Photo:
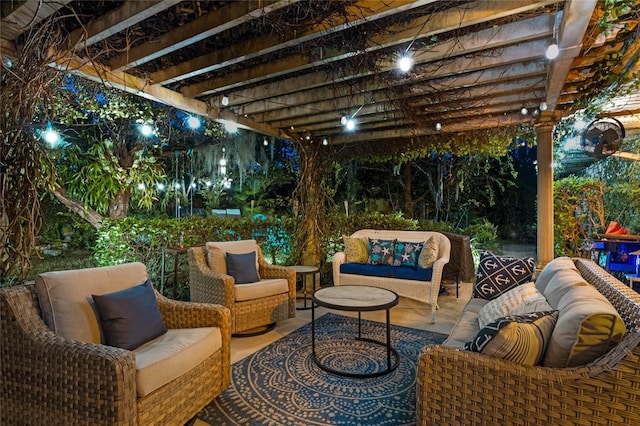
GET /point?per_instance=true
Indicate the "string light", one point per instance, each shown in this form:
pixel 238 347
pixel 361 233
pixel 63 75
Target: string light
pixel 552 50
pixel 405 62
pixel 193 122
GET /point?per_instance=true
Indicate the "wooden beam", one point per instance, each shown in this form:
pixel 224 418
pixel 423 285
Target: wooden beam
pixel 229 16
pixel 127 15
pixel 575 20
pixel 131 84
pixel 17 20
pixel 488 122
pixel 506 63
pixel 357 14
pixel 437 23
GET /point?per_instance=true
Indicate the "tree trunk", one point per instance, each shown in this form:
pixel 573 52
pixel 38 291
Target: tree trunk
pixel 77 207
pixel 408 198
pixel 119 206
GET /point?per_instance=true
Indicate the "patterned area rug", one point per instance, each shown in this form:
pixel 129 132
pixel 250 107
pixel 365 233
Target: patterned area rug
pixel 281 384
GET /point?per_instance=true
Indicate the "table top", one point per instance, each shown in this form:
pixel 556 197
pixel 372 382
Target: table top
pixel 355 298
pixel 304 269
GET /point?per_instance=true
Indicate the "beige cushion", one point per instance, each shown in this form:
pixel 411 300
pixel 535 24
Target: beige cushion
pixel 429 253
pixel 66 302
pixel 550 269
pixel 173 354
pixel 467 325
pixel 216 259
pixel 522 299
pixel 237 247
pixel 356 249
pixel 561 283
pixel 588 327
pixel 261 289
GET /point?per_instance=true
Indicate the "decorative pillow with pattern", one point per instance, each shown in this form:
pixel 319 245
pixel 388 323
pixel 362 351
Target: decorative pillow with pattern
pixel 356 250
pixel 522 339
pixel 522 299
pixel 381 251
pixel 407 254
pixel 497 274
pixel 428 254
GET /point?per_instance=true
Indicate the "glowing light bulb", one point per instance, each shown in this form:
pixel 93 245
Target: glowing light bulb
pixel 405 63
pixel 193 122
pixel 51 136
pixel 438 126
pixel 325 142
pixel 552 50
pixel 351 124
pixel 231 126
pixel 141 186
pixel 146 130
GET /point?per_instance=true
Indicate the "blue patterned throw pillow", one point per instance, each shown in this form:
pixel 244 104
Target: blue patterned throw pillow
pixel 406 254
pixel 518 338
pixel 381 251
pixel 497 275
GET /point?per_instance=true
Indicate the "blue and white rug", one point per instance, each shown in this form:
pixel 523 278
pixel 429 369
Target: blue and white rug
pixel 281 384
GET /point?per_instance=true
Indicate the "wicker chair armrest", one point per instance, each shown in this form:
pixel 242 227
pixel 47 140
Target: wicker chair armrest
pixel 36 365
pixel 455 386
pixel 269 271
pixel 219 288
pixel 178 314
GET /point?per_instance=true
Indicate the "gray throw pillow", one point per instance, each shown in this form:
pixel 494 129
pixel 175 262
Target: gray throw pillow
pixel 242 267
pixel 130 317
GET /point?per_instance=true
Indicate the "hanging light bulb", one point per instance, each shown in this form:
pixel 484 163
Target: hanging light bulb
pixel 438 126
pixel 405 63
pixel 146 130
pixel 225 100
pixel 160 186
pixel 351 124
pixel 265 142
pixel 230 126
pixel 51 136
pixel 193 122
pixel 325 142
pixel 524 111
pixel 552 50
pixel 343 120
pixel 543 106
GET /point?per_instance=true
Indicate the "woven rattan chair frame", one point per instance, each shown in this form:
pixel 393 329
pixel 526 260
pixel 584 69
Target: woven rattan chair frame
pixel 45 379
pixel 457 387
pixel 208 286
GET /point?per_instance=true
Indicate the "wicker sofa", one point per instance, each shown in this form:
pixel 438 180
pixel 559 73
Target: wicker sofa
pixel 422 290
pixel 456 386
pixel 49 379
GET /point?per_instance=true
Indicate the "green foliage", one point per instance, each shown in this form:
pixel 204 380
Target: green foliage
pixel 484 235
pixel 142 240
pixel 578 214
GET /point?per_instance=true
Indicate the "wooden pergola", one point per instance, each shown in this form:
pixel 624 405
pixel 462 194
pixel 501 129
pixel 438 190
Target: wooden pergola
pixel 294 69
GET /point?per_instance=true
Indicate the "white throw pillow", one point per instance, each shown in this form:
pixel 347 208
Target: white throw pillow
pixel 522 299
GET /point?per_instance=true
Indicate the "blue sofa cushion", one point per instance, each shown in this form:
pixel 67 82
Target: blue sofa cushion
pixel 387 271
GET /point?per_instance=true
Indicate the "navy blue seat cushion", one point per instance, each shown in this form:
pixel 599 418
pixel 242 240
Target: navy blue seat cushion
pixel 388 271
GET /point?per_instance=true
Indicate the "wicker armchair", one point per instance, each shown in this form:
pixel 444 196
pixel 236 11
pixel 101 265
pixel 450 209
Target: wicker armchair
pixel 46 379
pixel 460 387
pixel 247 316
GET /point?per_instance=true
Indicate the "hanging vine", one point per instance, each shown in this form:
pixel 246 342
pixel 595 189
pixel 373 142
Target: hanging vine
pixel 26 84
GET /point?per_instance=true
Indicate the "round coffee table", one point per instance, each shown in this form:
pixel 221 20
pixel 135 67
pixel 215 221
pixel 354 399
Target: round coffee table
pixel 356 298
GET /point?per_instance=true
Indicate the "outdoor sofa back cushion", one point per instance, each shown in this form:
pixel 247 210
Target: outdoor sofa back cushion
pixel 381 251
pixel 237 247
pixel 588 325
pixel 66 302
pixel 356 249
pixel 130 317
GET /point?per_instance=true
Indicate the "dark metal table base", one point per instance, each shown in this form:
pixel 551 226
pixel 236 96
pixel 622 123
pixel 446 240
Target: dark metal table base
pixel 393 359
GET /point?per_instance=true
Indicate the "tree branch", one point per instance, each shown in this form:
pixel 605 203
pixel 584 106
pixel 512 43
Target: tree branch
pixel 77 207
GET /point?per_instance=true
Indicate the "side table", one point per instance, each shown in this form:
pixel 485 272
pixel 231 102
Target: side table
pixel 303 271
